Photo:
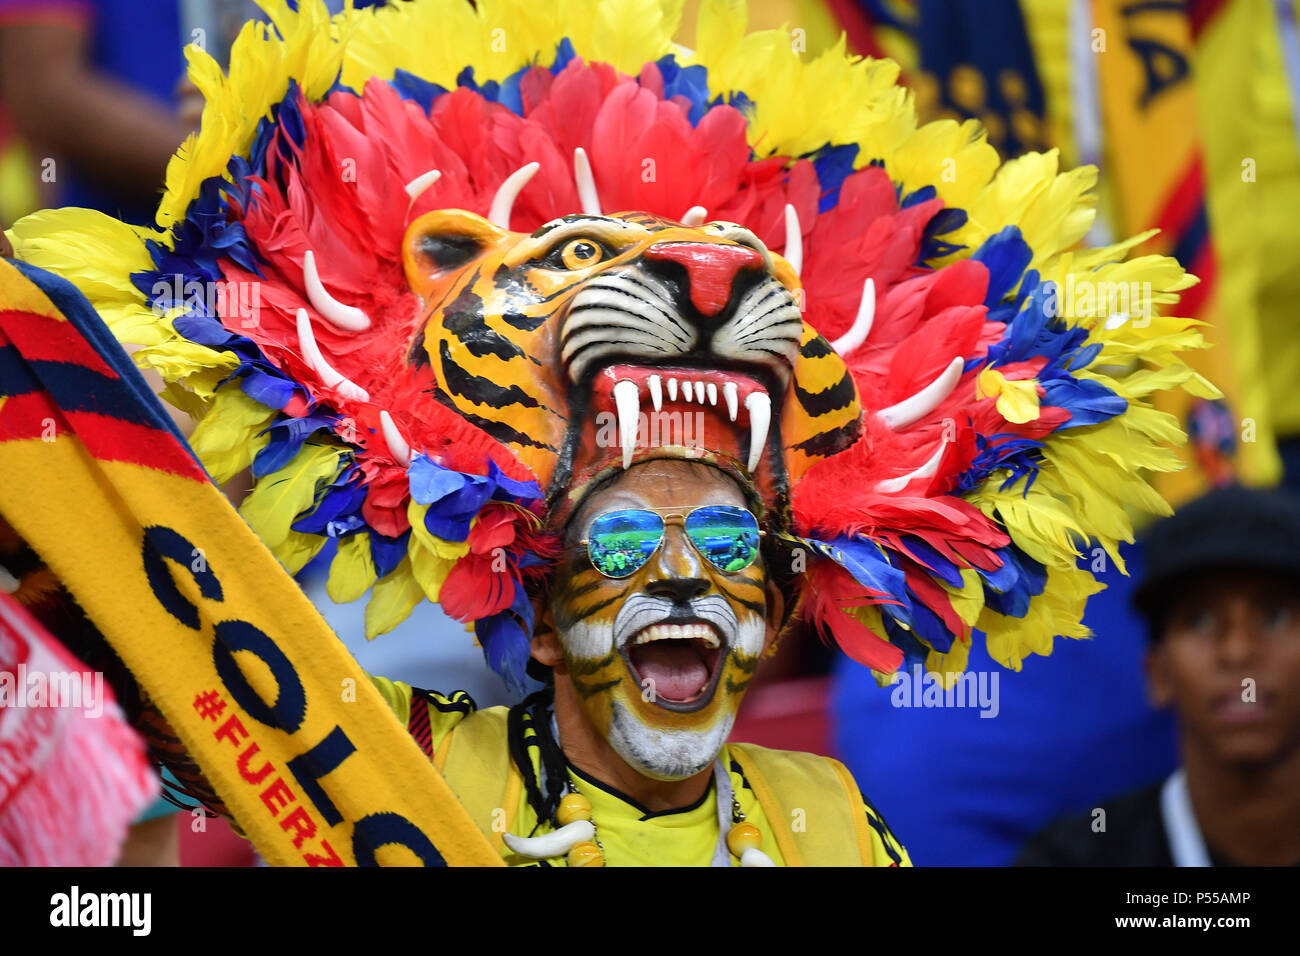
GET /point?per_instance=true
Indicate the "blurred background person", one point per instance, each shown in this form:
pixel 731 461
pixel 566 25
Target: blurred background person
pixel 1221 598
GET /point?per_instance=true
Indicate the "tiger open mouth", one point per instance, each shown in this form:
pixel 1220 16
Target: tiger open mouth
pixel 740 396
pixel 676 664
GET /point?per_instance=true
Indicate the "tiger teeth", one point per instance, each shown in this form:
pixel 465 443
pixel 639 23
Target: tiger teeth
pixel 656 395
pixel 713 393
pixel 688 390
pixel 731 394
pixel 672 389
pixel 760 417
pixel 627 399
pixel 679 632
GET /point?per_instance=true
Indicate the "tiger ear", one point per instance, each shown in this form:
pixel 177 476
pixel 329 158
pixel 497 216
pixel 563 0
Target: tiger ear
pixel 441 243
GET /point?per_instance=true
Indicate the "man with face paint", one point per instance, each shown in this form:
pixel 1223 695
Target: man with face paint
pixel 624 756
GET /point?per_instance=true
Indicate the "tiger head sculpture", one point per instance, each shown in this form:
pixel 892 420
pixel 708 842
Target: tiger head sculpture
pixel 600 340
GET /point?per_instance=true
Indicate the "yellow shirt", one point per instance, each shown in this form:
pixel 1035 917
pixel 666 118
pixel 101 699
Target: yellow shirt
pixel 629 834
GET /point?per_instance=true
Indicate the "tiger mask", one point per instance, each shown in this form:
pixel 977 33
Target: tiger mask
pixel 599 340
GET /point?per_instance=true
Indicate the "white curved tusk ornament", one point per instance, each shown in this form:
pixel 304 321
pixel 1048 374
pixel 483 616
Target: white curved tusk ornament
pixel 504 201
pixel 346 317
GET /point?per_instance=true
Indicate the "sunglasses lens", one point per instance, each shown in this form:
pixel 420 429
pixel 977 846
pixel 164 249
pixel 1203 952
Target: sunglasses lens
pixel 621 541
pixel 727 536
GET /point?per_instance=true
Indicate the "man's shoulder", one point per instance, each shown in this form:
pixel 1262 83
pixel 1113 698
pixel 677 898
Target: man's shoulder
pixel 796 777
pixel 1125 830
pixel 430 715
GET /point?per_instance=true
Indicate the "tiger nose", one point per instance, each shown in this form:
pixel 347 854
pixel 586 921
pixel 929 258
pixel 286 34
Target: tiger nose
pixel 710 269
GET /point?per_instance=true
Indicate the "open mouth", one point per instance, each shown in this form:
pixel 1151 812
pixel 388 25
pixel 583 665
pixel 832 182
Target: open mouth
pixel 678 664
pixel 741 397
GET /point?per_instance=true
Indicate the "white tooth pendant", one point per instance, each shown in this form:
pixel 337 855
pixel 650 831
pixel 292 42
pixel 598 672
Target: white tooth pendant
pixel 551 844
pixel 627 399
pixel 760 417
pixel 346 317
pixel 656 392
pixel 688 390
pixel 732 395
pixel 713 393
pixel 672 389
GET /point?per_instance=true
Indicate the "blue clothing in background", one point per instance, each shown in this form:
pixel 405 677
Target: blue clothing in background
pixel 1071 730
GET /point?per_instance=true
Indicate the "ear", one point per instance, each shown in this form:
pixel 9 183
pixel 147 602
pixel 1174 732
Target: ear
pixel 545 645
pixel 443 242
pixel 1160 685
pixel 775 614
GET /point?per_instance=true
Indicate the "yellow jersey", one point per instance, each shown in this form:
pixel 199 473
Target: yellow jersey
pixel 808 808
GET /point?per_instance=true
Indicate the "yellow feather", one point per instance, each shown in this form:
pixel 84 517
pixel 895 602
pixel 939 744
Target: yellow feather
pixel 392 600
pixel 279 498
pixel 222 438
pixel 352 572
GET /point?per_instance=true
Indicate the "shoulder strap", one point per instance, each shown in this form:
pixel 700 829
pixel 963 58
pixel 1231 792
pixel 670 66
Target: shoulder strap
pixel 811 802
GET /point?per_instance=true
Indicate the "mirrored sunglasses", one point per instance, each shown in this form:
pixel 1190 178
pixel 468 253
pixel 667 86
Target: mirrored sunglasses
pixel 620 542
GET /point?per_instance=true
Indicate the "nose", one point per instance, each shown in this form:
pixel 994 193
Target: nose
pixel 675 570
pixel 1237 640
pixel 710 269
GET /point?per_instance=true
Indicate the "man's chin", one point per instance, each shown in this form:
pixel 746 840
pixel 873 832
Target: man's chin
pixel 663 752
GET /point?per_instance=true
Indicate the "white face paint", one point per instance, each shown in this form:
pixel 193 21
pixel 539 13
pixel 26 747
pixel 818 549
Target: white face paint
pixel 659 659
pixel 665 753
pixel 653 747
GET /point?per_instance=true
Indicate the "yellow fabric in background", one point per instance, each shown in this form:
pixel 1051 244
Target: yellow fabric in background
pixel 1246 115
pixel 821 29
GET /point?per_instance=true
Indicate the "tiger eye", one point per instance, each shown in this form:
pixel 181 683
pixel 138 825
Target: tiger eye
pixel 580 253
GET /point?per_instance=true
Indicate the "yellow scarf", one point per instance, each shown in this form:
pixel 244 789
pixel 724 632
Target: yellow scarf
pixel 296 741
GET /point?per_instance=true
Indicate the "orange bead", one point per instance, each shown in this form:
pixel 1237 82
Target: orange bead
pixel 573 806
pixel 742 837
pixel 586 854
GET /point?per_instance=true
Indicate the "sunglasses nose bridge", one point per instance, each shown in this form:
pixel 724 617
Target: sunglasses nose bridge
pixel 676 556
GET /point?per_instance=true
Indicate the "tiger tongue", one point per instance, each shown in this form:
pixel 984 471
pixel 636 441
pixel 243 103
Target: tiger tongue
pixel 676 669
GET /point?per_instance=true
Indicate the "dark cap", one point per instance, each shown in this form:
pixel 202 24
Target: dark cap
pixel 1230 527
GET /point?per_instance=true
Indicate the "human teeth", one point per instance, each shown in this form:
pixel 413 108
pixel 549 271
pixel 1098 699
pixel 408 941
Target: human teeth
pixel 672 389
pixel 688 394
pixel 678 632
pixel 656 395
pixel 627 399
pixel 760 416
pixel 731 394
pixel 713 394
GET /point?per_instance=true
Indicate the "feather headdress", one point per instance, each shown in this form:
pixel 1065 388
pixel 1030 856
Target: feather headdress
pixel 1004 421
